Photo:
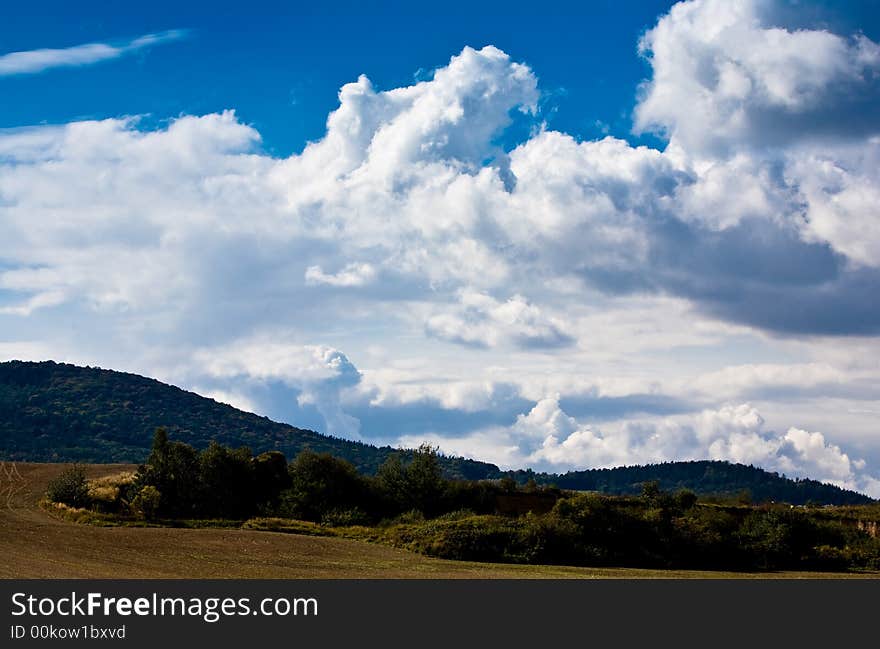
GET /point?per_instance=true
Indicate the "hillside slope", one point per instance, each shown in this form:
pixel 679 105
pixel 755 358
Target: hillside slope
pixel 55 412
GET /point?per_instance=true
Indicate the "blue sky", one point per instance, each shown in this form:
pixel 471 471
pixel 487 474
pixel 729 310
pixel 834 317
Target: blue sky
pixel 280 64
pixel 586 235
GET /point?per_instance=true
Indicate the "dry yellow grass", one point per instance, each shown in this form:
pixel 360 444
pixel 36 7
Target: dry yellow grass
pixel 35 544
pixel 106 488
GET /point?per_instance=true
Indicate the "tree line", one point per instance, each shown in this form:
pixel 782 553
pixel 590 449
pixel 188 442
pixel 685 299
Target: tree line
pixel 412 505
pixel 180 482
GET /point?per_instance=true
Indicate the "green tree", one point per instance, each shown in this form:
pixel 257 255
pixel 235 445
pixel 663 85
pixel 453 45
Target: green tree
pixel 321 483
pixel 173 469
pixel 393 484
pixel 271 477
pixel 70 487
pixel 425 479
pixel 776 538
pixel 416 485
pixel 227 482
pixel 651 491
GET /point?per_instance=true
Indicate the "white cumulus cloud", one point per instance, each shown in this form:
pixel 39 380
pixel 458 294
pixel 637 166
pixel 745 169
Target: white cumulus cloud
pixel 350 275
pixel 725 77
pixel 630 279
pixel 481 320
pixel 316 372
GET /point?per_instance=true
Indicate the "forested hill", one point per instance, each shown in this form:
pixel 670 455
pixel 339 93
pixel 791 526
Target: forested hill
pixel 53 412
pixel 702 477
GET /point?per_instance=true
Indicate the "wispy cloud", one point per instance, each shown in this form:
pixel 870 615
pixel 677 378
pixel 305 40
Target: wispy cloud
pixel 35 61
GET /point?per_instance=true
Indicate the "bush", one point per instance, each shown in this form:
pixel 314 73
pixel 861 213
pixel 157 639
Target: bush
pixel 147 502
pixel 478 538
pixel 110 493
pixel 411 517
pixel 104 498
pixel 457 515
pixel 478 497
pixel 342 517
pixel 70 487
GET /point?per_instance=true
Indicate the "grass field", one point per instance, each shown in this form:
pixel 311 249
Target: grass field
pixel 35 544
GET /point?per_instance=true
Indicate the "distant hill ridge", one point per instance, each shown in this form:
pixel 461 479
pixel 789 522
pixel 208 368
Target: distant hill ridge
pixel 54 412
pixel 57 412
pixel 702 477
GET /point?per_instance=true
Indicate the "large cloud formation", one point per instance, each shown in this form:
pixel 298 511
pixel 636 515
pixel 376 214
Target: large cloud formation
pixel 473 278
